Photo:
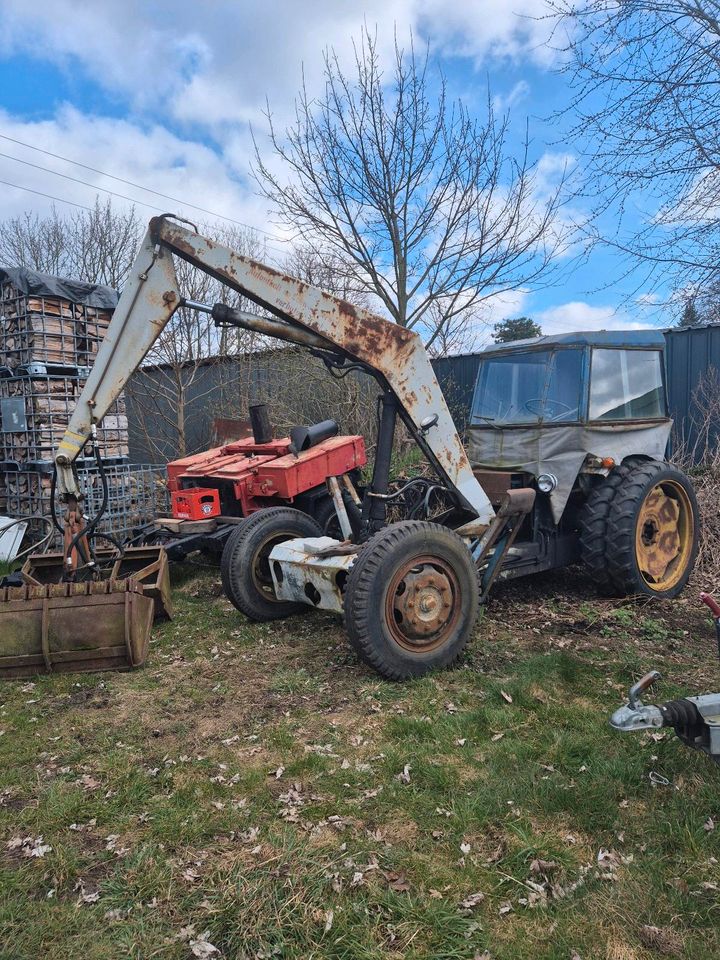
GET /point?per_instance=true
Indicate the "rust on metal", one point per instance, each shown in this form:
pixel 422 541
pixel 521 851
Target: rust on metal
pixel 394 351
pixel 145 566
pixel 75 627
pixel 422 604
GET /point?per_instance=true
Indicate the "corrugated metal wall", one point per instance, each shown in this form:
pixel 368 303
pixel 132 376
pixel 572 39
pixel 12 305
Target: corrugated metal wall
pixel 691 353
pixel 456 376
pixel 215 387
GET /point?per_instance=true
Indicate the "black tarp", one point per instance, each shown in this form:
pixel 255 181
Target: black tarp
pixel 35 284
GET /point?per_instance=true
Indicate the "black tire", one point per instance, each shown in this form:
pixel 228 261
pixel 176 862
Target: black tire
pixel 443 575
pixel 653 531
pixel 244 570
pixel 593 526
pixel 326 516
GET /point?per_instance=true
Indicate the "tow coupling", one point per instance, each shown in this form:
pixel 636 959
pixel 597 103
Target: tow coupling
pixel 696 720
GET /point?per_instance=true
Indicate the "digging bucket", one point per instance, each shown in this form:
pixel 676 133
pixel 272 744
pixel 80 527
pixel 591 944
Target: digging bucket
pixel 145 565
pixel 103 624
pixel 69 627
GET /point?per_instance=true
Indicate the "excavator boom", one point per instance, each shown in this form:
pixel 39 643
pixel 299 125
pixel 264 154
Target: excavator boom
pixel 306 315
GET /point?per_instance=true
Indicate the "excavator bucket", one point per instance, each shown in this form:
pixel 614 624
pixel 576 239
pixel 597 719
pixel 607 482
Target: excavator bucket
pixel 101 624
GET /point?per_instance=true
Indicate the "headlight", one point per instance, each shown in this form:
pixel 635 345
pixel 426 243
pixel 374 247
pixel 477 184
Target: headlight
pixel 546 482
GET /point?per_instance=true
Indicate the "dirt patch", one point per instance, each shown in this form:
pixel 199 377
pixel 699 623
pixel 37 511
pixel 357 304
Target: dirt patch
pixel 399 831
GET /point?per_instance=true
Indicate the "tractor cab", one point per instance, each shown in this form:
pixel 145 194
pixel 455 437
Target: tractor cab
pixel 583 419
pixel 554 408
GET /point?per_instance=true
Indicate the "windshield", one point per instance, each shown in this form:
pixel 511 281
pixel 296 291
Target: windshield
pixel 626 385
pixel 529 388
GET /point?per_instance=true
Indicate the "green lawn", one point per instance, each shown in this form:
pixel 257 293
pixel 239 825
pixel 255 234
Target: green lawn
pixel 255 790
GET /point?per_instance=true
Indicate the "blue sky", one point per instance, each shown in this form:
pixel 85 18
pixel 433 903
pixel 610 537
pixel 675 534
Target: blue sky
pixel 163 94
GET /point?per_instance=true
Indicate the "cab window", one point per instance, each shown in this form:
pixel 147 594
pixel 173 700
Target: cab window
pixel 626 385
pixel 541 385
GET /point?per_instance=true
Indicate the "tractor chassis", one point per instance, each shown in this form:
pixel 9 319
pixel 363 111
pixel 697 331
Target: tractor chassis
pixel 314 570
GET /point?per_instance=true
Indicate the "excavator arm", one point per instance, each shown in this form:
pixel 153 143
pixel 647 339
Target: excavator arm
pixel 305 315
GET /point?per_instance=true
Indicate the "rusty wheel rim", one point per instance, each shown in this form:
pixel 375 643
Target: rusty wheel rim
pixel 422 604
pixel 261 575
pixel 664 535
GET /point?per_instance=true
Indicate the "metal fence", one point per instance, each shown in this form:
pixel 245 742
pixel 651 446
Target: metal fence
pixel 137 494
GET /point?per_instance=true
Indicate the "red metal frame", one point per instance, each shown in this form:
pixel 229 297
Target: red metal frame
pixel 266 473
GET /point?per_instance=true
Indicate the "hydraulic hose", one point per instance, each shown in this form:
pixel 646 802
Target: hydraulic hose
pixel 89 530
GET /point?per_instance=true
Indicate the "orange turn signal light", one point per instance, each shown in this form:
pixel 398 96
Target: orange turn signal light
pixel 608 463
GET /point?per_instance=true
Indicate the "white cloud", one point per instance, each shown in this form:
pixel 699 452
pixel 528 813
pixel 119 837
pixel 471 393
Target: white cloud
pixel 215 63
pixel 202 72
pixel 150 156
pixel 580 316
pixel 506 101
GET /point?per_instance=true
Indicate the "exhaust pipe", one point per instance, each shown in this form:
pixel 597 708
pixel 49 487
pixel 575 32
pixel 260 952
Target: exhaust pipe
pixel 302 438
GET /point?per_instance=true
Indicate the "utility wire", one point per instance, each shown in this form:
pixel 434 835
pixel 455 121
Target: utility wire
pixel 39 193
pixel 112 193
pixel 66 176
pixel 131 183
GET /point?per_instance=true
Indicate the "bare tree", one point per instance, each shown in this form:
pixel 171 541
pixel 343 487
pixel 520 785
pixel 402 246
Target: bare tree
pixel 327 270
pixel 96 246
pixel 421 198
pixel 646 114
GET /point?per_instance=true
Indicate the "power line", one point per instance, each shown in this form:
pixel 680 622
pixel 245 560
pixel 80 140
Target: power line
pixel 39 193
pixel 66 176
pixel 112 193
pixel 131 183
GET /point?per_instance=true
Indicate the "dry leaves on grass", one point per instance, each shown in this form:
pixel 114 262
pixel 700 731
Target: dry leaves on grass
pixel 471 901
pixel 397 881
pixel 404 777
pixel 29 846
pixel 202 947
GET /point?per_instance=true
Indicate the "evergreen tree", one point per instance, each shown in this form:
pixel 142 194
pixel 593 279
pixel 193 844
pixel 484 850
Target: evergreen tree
pixel 521 328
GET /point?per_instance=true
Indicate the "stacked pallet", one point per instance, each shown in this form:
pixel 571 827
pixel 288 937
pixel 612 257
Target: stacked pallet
pixel 50 332
pixel 45 320
pixel 36 409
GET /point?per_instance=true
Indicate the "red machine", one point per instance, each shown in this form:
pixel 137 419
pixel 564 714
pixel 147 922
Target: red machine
pixel 245 476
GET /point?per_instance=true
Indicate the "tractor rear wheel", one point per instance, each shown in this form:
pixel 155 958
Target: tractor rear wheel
pixel 326 516
pixel 412 599
pixel 593 526
pixel 245 564
pixel 653 531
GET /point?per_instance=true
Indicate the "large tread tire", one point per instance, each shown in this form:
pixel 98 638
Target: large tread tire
pixel 382 559
pixel 242 554
pixel 593 526
pixel 625 514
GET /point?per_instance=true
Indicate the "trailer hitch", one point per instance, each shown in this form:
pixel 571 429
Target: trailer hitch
pixel 695 720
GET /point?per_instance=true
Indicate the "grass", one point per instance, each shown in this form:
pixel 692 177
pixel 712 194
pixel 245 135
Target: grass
pixel 255 788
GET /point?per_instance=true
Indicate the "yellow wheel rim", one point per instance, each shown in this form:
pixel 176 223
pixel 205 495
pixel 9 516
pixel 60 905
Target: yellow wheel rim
pixel 664 535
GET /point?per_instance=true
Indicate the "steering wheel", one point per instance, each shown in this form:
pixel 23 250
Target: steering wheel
pixel 564 407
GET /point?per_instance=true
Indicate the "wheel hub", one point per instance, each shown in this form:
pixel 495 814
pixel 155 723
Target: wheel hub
pixel 423 603
pixel 658 541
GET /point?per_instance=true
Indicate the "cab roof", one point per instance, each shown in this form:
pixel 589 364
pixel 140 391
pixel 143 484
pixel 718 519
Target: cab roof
pixel 593 338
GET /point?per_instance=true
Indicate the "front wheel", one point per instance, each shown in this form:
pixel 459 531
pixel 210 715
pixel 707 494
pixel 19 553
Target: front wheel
pixel 412 599
pixel 653 531
pixel 245 565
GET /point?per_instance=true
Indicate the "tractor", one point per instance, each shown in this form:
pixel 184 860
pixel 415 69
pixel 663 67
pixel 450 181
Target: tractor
pixel 565 460
pixel 583 419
